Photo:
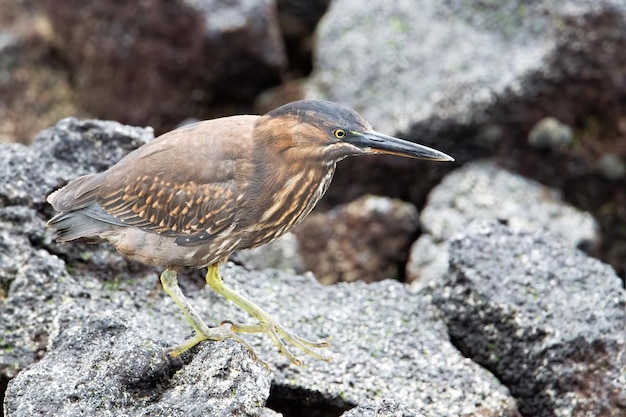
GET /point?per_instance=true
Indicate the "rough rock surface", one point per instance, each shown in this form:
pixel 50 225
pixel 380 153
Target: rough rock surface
pixel 482 190
pixel 68 150
pixel 366 240
pixel 384 407
pixel 98 365
pixel 386 343
pixel 546 319
pixel 29 272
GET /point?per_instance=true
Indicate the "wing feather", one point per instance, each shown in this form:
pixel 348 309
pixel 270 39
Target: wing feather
pixel 190 210
pixel 183 184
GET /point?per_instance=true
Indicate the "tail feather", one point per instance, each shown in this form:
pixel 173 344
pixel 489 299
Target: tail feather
pixel 76 224
pixel 80 214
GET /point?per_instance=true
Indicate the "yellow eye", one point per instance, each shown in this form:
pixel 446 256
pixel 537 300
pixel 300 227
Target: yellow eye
pixel 340 133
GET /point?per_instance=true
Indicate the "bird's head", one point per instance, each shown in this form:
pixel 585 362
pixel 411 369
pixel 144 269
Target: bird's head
pixel 332 132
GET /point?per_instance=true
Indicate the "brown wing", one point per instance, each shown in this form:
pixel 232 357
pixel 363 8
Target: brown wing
pixel 184 184
pixel 193 212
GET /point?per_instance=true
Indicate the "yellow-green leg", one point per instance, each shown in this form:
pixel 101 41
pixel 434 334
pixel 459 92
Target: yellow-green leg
pixel 267 324
pixel 169 280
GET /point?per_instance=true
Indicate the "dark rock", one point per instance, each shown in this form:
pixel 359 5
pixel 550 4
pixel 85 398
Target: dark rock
pixel 298 20
pixel 35 92
pixel 547 320
pixel 158 62
pixel 154 62
pixel 367 240
pixel 242 45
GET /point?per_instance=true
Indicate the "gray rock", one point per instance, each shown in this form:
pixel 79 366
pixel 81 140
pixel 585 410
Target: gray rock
pixel 384 407
pixel 386 342
pixel 98 365
pixel 612 167
pixel 471 79
pixel 547 320
pixel 482 190
pixel 428 260
pixel 33 282
pixel 372 329
pixel 66 151
pixel 283 254
pixel 451 61
pixel 551 134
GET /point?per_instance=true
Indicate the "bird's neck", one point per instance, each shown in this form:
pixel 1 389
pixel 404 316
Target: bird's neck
pixel 284 190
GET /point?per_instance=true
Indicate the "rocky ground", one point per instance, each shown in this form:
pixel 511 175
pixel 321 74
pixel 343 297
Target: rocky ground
pixel 505 309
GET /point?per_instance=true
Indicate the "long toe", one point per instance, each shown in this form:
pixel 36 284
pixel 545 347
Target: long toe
pixel 305 345
pixel 216 334
pixel 281 337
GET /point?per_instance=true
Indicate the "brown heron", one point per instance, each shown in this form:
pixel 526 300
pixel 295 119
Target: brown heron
pixel 197 194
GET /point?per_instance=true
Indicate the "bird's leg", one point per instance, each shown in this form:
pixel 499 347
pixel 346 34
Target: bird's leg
pixel 267 324
pixel 169 280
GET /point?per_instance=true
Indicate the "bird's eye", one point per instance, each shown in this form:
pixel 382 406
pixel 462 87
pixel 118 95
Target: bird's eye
pixel 340 133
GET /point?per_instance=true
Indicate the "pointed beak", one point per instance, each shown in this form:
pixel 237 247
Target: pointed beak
pixel 374 142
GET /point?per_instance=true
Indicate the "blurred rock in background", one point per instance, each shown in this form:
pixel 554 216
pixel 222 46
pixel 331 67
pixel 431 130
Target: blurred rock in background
pixel 365 240
pixel 151 63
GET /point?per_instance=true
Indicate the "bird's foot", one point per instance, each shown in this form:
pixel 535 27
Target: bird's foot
pixel 281 337
pixel 215 334
pixel 266 323
pixel 202 331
